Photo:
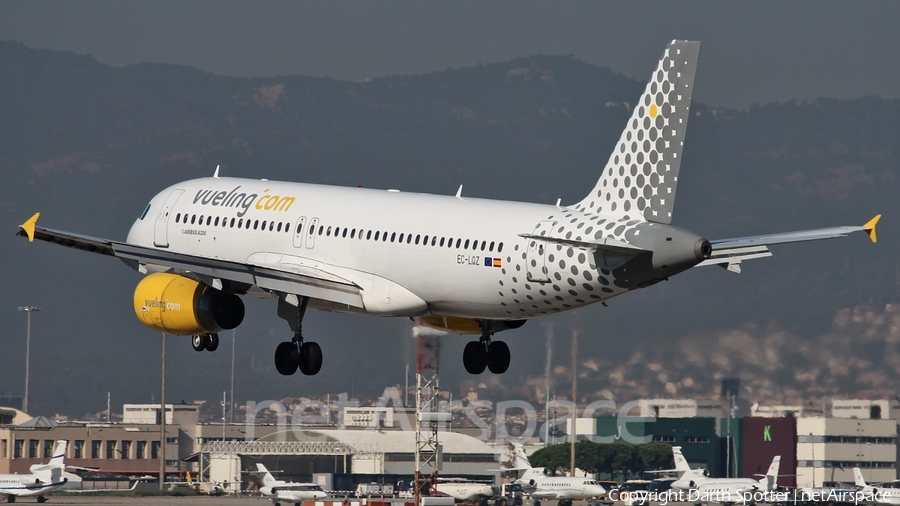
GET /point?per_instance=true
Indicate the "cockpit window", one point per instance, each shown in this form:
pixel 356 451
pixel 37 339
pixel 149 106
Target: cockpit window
pixel 146 210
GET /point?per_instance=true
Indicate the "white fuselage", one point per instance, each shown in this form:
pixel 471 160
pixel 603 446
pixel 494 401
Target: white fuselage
pixel 568 488
pixel 465 491
pixel 26 485
pixel 297 493
pixel 458 256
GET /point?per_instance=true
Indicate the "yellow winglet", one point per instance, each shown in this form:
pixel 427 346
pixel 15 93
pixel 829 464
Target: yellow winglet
pixel 870 228
pixel 28 226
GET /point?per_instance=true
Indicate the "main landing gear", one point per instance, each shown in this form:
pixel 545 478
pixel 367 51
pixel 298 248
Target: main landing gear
pixel 208 342
pixel 296 354
pixel 486 353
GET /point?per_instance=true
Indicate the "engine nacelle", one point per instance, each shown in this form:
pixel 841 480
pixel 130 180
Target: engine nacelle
pixel 179 305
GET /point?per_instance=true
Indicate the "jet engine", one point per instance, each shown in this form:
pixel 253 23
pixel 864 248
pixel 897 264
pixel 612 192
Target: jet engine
pixel 179 305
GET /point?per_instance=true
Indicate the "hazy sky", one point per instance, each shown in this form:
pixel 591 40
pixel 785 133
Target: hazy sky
pixel 758 51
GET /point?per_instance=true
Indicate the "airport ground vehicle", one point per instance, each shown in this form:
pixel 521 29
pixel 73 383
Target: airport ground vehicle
pixel 634 492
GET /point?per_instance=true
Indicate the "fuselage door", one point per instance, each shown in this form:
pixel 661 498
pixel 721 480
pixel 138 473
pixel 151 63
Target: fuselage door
pixel 311 233
pixel 299 231
pixel 537 251
pixel 161 230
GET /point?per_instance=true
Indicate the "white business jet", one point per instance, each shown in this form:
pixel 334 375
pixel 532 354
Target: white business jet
pixel 44 478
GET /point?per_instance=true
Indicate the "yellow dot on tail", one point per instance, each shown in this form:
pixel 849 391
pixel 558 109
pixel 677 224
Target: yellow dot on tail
pixel 653 111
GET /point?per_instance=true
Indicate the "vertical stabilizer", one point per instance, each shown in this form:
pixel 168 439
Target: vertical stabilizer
pixel 857 475
pixel 267 478
pixel 681 463
pixel 59 454
pixel 770 481
pixel 640 178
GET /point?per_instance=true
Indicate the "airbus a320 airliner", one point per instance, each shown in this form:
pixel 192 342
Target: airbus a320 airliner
pixel 204 243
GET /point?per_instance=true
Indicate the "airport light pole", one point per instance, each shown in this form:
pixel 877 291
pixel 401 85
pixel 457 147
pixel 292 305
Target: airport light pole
pixel 29 310
pixel 162 420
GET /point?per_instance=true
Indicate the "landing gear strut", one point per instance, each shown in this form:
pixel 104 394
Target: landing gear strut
pixel 296 354
pixel 494 355
pixel 208 342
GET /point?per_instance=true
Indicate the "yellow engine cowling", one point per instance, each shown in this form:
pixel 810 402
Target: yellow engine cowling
pixel 180 305
pixel 468 325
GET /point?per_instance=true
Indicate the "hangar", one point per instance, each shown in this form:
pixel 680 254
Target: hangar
pixel 341 459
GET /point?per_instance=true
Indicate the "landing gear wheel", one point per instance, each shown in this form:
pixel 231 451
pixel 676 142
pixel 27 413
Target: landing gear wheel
pixel 310 358
pixel 41 499
pixel 475 357
pixel 286 358
pixel 198 342
pixel 212 341
pixel 498 358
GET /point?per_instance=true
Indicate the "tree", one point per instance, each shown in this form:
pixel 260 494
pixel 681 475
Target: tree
pixel 554 457
pixel 656 456
pixel 626 459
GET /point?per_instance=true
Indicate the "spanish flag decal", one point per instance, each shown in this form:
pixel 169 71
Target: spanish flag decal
pixel 497 262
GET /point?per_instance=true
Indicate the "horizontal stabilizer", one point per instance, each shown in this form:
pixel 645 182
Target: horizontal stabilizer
pixel 729 253
pixel 607 244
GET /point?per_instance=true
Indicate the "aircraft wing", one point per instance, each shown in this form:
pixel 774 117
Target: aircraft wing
pixel 543 494
pixel 729 253
pixel 299 280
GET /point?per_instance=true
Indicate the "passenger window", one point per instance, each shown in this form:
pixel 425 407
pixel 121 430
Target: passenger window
pixel 384 236
pixel 408 238
pixel 442 242
pixel 247 226
pixel 425 241
pixel 417 242
pixel 344 233
pixel 434 240
pixel 263 226
pixel 500 248
pixel 491 248
pixel 368 235
pixel 208 220
pixel 466 245
pixel 279 227
pixel 217 221
pixel 321 229
pixel 200 221
pixel 376 238
pixel 401 237
pixel 241 223
pixel 271 226
pixel 337 231
pixel 299 228
pixel 232 222
pixel 193 218
pixel 255 226
pixel 393 236
pixel 177 217
pixel 353 233
pixel 328 232
pixel 483 244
